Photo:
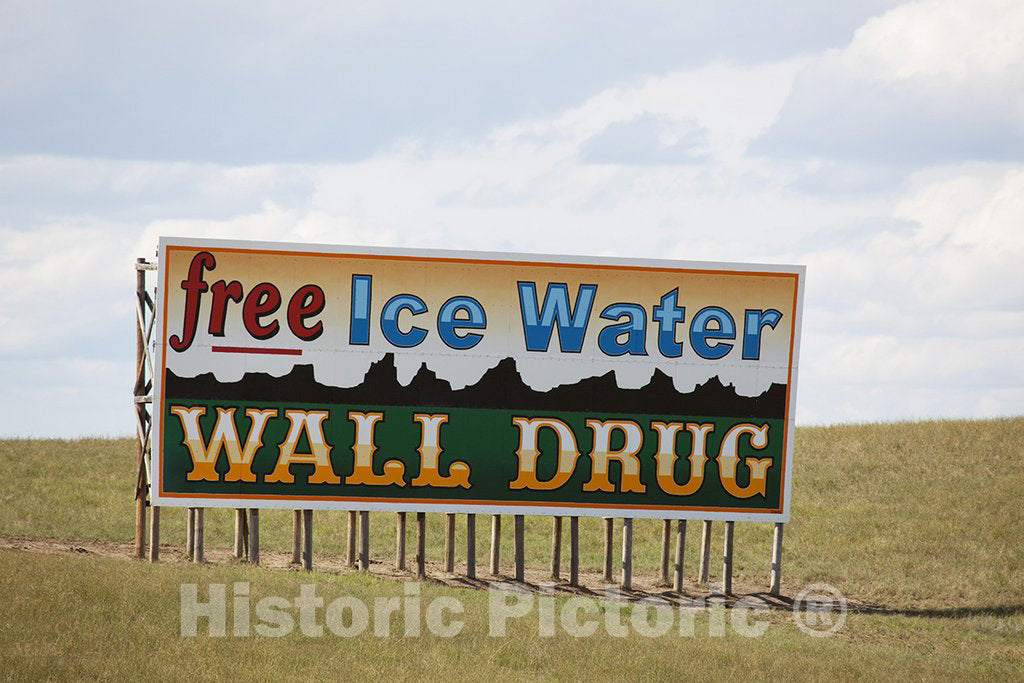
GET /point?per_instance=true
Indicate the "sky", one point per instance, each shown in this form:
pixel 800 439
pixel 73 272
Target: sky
pixel 879 143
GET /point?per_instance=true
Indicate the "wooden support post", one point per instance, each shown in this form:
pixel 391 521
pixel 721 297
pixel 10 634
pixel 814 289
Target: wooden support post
pixel 470 546
pixel 351 559
pixel 364 540
pixel 449 542
pixel 239 534
pixel 574 551
pixel 198 556
pixel 141 414
pixel 627 554
pixel 677 585
pixel 727 559
pixel 666 541
pixel 307 540
pixel 154 535
pixel 609 542
pixel 495 544
pixel 421 545
pixel 296 536
pixel 520 549
pixel 400 542
pixel 705 552
pixel 140 528
pixel 776 585
pixel 190 534
pixel 556 548
pixel 254 536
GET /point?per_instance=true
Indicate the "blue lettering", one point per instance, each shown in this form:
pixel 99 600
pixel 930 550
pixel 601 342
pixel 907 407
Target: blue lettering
pixel 753 323
pixel 389 320
pixel 448 325
pixel 539 321
pixel 635 328
pixel 700 333
pixel 669 314
pixel 359 320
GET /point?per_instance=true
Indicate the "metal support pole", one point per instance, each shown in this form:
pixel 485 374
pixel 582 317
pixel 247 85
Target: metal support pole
pixel 495 544
pixel 254 536
pixel 705 552
pixel 520 550
pixel 449 542
pixel 680 547
pixel 421 545
pixel 364 540
pixel 351 559
pixel 245 534
pixel 296 536
pixel 190 534
pixel 239 534
pixel 666 541
pixel 727 559
pixel 198 556
pixel 556 547
pixel 470 546
pixel 574 551
pixel 609 542
pixel 400 542
pixel 776 584
pixel 307 540
pixel 154 535
pixel 627 554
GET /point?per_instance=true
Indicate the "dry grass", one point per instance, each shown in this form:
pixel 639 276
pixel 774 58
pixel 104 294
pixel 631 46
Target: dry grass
pixel 908 515
pixel 921 517
pixel 88 617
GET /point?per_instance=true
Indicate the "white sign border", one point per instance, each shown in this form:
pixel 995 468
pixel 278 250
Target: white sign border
pixel 420 506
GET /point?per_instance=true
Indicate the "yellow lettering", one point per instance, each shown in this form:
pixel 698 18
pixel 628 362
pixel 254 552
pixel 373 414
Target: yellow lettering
pixel 666 456
pixel 430 455
pixel 364 448
pixel 602 453
pixel 728 458
pixel 528 453
pixel 224 437
pixel 310 423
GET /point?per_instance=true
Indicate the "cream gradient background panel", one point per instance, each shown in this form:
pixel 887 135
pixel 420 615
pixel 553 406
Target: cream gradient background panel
pixel 494 285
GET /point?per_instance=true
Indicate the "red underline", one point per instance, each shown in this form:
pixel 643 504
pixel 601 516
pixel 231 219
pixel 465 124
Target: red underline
pixel 254 349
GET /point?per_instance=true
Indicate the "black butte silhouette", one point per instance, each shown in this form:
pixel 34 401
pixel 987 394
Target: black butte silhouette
pixel 499 387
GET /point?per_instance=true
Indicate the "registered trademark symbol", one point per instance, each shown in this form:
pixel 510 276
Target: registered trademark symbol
pixel 819 610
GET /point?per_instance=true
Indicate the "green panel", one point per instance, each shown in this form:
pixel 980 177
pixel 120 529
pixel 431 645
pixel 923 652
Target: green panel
pixel 486 439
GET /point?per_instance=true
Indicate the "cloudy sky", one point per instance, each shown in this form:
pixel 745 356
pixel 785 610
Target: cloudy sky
pixel 879 143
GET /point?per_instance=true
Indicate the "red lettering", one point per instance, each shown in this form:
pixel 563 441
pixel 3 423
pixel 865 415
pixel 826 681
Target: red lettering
pixel 307 302
pixel 194 286
pixel 262 300
pixel 222 291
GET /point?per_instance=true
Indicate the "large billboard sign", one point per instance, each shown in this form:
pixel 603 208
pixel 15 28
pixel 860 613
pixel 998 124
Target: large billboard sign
pixel 311 376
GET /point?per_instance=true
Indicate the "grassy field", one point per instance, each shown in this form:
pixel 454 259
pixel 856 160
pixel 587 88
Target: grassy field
pixel 921 518
pixel 85 617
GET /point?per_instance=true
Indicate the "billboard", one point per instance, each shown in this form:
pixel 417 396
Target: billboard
pixel 313 376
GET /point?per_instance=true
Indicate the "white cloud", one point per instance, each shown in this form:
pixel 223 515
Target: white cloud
pixel 647 139
pixel 59 287
pixel 925 319
pixel 929 81
pixel 914 293
pixel 310 81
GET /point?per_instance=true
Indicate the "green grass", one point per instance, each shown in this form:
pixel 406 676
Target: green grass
pixel 923 518
pixel 907 514
pixel 95 617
